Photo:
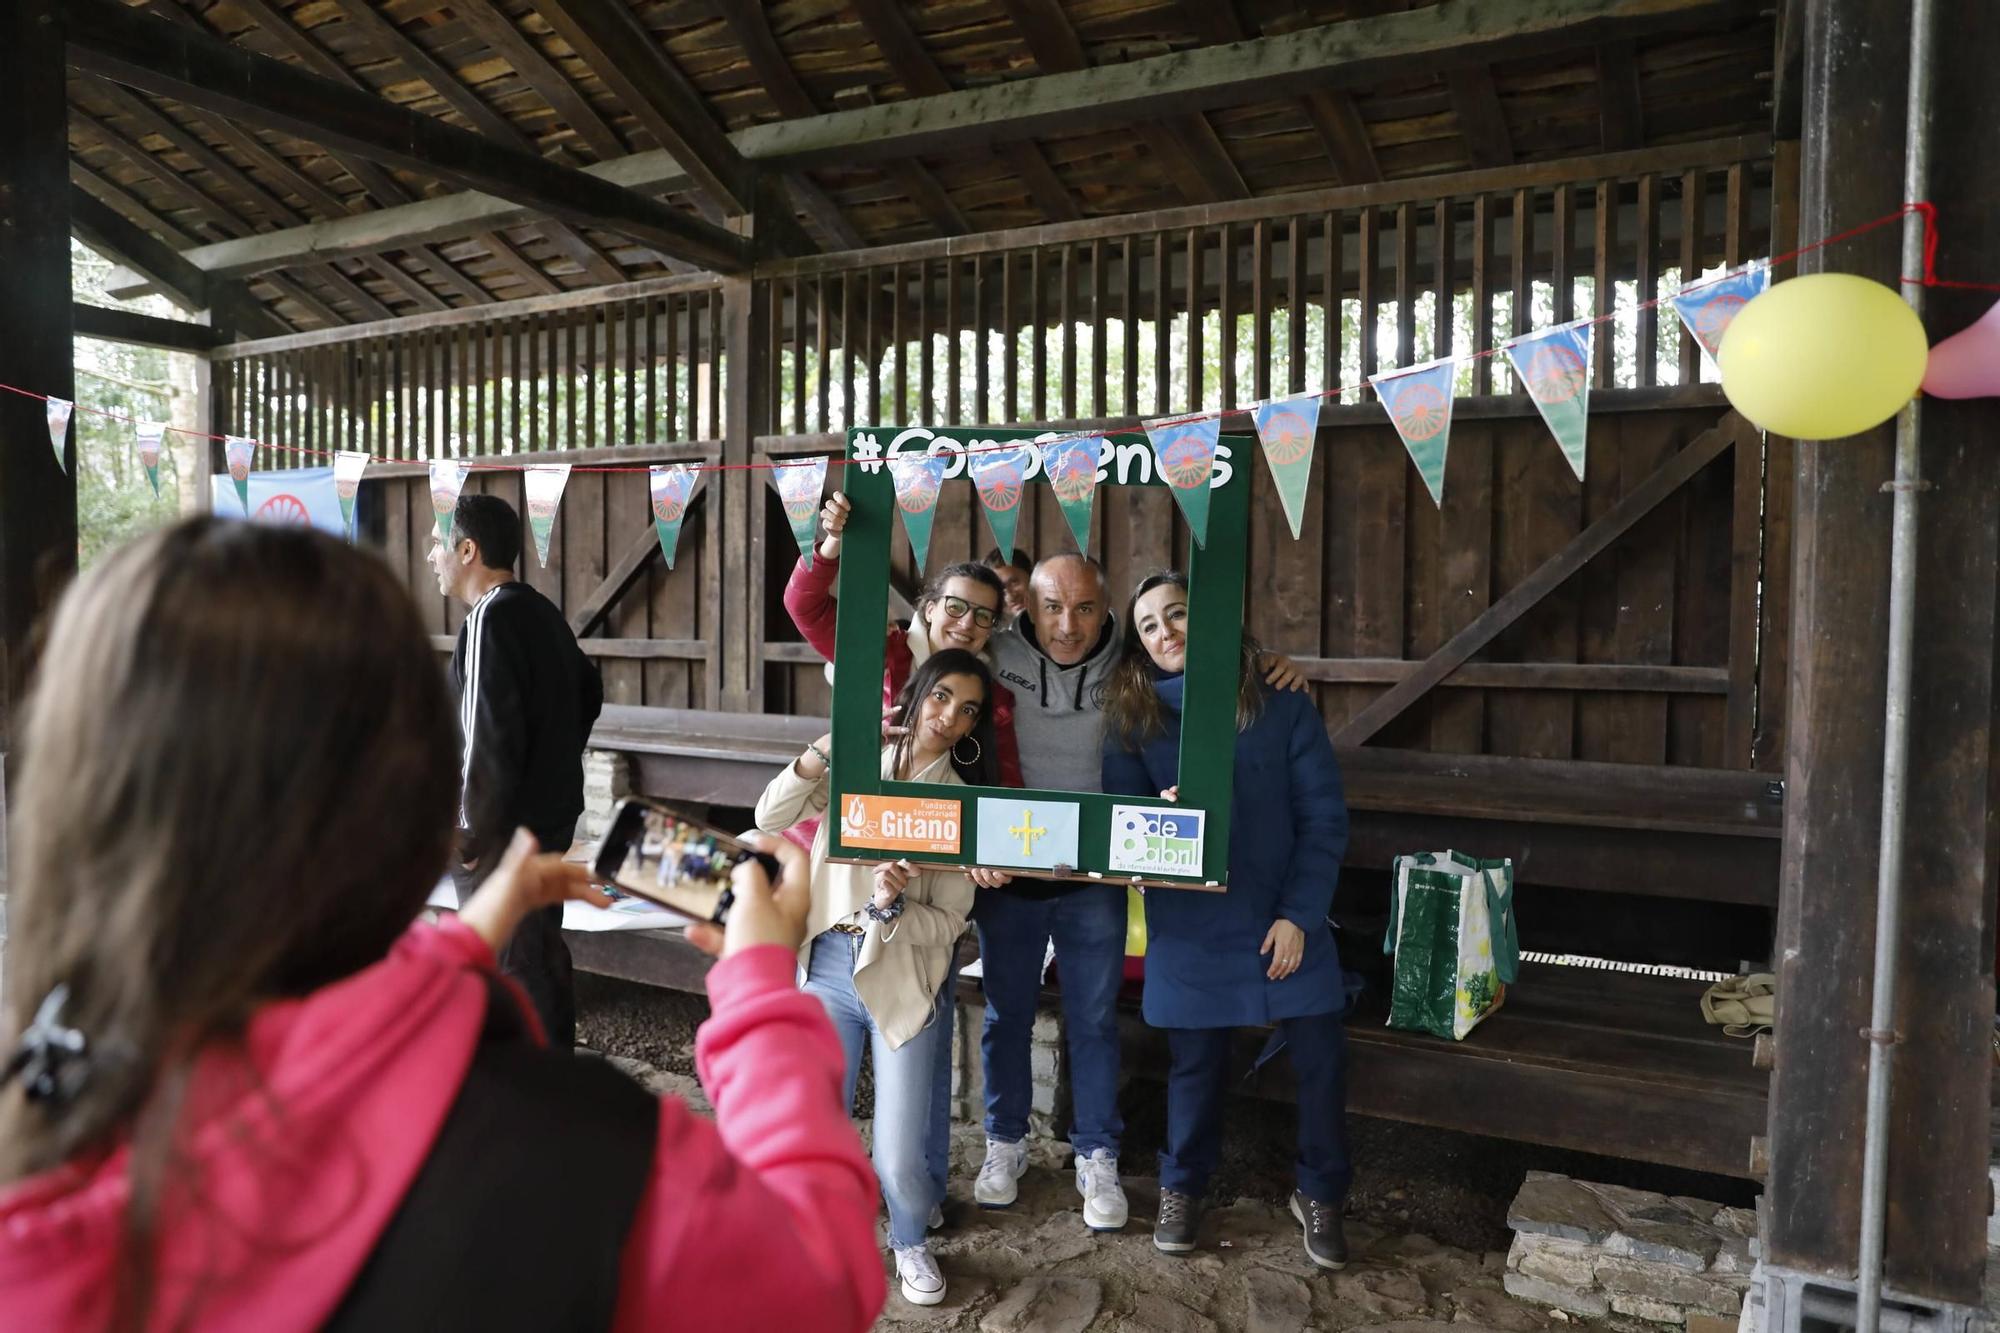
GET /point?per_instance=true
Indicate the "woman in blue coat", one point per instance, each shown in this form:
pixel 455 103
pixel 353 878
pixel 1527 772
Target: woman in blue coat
pixel 1260 954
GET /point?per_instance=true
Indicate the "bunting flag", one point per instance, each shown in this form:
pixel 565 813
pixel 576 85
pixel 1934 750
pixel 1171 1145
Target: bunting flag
pixel 1554 364
pixel 236 451
pixel 673 487
pixel 59 412
pixel 1707 309
pixel 799 488
pixel 1287 430
pixel 348 467
pixel 1071 467
pixel 1185 451
pixel 447 480
pixel 150 434
pixel 544 484
pixel 1418 399
pixel 917 477
pixel 1000 476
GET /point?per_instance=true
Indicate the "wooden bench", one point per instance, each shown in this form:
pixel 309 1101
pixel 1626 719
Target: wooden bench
pixel 1597 1061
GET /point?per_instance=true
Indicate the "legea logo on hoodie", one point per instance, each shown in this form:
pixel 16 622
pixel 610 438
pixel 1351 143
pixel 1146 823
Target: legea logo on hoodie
pixel 1149 840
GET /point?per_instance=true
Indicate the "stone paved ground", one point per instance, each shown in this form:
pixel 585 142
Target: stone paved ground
pixel 1426 1225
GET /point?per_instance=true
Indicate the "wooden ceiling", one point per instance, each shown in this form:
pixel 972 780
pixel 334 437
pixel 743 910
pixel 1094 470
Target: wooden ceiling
pixel 536 74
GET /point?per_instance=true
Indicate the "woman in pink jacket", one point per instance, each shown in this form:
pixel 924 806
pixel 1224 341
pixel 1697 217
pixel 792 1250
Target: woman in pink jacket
pixel 243 1091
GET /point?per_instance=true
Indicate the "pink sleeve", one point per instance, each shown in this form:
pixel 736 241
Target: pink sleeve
pixel 453 941
pixel 809 601
pixel 765 1218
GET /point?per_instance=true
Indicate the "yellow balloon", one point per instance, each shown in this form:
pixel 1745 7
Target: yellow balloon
pixel 1823 356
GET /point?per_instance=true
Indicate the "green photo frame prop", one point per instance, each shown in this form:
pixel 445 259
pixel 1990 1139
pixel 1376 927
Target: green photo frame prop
pixel 914 813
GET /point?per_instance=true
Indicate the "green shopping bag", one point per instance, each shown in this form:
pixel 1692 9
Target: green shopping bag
pixel 1451 929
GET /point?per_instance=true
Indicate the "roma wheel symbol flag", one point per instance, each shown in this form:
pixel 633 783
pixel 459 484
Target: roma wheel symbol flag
pixel 349 465
pixel 544 484
pixel 447 480
pixel 1001 477
pixel 1071 467
pixel 1185 451
pixel 1287 430
pixel 236 452
pixel 1418 400
pixel 149 434
pixel 1554 365
pixel 918 478
pixel 1708 308
pixel 59 414
pixel 799 488
pixel 673 488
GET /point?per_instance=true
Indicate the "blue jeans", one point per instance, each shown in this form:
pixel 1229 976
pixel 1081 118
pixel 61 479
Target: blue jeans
pixel 1198 1082
pixel 937 1153
pixel 904 1079
pixel 1088 926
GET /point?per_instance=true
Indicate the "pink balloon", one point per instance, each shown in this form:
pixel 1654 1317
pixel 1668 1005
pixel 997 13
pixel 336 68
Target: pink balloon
pixel 1967 364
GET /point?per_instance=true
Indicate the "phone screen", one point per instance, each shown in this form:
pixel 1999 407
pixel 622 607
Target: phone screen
pixel 665 855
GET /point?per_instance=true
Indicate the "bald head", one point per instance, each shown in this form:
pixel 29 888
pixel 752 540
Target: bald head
pixel 1067 605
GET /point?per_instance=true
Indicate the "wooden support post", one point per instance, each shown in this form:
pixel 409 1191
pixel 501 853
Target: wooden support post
pixel 1856 58
pixel 736 516
pixel 37 495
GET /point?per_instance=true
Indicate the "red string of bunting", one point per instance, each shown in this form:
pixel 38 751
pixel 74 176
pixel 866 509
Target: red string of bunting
pixel 1928 278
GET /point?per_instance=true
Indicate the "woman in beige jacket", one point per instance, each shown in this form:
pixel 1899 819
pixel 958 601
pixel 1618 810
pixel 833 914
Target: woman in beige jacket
pixel 879 940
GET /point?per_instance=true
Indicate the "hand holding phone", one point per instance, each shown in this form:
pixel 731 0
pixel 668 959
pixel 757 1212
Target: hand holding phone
pixel 668 855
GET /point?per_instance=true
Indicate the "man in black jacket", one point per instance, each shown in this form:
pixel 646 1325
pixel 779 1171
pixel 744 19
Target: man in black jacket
pixel 527 700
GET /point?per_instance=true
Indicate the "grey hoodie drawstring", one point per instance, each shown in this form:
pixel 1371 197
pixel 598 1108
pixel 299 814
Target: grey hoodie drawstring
pixel 1076 704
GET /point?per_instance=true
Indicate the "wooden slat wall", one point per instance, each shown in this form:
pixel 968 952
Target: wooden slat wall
pixel 1101 320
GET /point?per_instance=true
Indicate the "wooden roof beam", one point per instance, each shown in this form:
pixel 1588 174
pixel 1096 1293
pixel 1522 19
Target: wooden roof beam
pixel 126 326
pixel 889 26
pixel 1344 134
pixel 108 38
pixel 1481 123
pixel 1118 94
pixel 116 237
pixel 1621 114
pixel 526 59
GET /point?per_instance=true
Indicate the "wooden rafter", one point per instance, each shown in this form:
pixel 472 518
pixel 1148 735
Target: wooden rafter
pixel 1640 501
pixel 890 28
pixel 109 38
pixel 1621 113
pixel 1481 122
pixel 752 29
pixel 377 183
pixel 125 326
pixel 526 59
pixel 105 230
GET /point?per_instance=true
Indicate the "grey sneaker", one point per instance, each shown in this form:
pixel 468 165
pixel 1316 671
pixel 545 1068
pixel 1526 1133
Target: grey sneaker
pixel 1326 1244
pixel 1097 1181
pixel 1180 1215
pixel 999 1175
pixel 922 1283
pixel 936 1220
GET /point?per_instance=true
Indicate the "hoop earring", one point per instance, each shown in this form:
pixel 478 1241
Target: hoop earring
pixel 976 752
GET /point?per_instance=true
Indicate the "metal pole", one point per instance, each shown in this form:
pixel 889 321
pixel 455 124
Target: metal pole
pixel 1896 721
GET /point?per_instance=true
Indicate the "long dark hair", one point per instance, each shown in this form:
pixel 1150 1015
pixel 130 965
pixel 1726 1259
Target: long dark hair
pixel 1133 712
pixel 984 769
pixel 237 785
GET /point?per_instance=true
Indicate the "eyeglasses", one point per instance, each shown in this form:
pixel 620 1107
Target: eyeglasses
pixel 957 608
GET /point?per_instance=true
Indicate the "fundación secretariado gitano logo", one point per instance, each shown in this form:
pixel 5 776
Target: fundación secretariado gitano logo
pixel 1147 840
pixel 902 823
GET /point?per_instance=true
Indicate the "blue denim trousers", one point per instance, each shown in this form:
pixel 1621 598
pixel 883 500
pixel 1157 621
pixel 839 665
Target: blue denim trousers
pixel 905 1080
pixel 1088 927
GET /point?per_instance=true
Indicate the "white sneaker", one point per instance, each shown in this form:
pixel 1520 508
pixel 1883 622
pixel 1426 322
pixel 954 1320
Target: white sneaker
pixel 923 1284
pixel 1000 1173
pixel 1097 1181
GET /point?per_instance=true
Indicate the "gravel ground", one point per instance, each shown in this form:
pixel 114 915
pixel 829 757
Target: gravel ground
pixel 1451 1187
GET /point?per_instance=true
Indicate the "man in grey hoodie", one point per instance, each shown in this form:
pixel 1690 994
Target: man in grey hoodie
pixel 1055 658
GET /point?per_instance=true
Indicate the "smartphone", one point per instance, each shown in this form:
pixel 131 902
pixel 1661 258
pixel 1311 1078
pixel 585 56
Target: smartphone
pixel 672 857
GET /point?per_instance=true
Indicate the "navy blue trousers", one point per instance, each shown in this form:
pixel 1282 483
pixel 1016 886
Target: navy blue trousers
pixel 1198 1082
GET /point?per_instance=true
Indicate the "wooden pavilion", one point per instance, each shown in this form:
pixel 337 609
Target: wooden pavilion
pixel 623 232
